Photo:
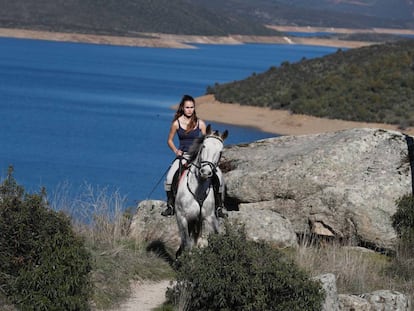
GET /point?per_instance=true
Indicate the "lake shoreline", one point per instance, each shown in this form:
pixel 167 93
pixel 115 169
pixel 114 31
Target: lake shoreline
pixel 174 41
pixel 280 122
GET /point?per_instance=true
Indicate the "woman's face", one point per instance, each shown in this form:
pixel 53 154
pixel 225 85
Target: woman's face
pixel 188 108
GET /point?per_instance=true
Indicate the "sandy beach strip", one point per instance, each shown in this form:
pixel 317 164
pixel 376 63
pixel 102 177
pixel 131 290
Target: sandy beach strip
pixel 171 40
pixel 276 121
pixel 310 29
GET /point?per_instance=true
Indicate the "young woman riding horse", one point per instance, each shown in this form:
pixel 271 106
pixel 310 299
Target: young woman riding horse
pixel 188 128
pixel 195 200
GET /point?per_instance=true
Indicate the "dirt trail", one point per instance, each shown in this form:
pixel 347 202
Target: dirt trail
pixel 145 296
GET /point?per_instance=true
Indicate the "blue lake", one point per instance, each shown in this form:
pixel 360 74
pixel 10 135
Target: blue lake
pixel 82 114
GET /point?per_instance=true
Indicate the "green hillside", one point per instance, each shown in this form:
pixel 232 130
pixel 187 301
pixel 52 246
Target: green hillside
pixel 320 13
pixel 124 17
pixel 188 17
pixel 374 84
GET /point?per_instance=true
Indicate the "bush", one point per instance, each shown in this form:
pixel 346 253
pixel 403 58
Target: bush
pixel 233 273
pixel 403 219
pixel 402 265
pixel 43 264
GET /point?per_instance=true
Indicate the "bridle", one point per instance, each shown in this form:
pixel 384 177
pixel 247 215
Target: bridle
pixel 198 164
pixel 202 163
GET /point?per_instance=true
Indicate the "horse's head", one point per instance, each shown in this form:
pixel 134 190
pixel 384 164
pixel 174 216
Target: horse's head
pixel 210 152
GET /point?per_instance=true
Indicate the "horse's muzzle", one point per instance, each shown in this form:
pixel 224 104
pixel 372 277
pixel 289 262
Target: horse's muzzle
pixel 206 171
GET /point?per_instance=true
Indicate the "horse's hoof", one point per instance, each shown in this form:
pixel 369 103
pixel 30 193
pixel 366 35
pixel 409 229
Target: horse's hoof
pixel 220 213
pixel 202 243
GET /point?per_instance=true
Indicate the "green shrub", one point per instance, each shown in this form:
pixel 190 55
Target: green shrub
pixel 43 264
pixel 233 273
pixel 403 219
pixel 402 264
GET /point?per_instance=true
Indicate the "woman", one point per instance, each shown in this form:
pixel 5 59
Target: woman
pixel 187 127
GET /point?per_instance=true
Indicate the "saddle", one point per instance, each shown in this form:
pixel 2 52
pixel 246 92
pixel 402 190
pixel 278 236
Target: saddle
pixel 174 185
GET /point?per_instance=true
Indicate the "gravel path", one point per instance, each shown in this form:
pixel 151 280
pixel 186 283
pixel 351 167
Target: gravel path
pixel 145 296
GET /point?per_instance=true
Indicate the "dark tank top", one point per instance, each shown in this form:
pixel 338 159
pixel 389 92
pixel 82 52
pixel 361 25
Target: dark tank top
pixel 186 139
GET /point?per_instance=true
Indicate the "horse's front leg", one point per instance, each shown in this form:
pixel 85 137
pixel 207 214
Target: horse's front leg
pixel 186 241
pixel 210 225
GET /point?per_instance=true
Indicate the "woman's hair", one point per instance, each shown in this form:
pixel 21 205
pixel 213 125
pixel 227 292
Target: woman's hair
pixel 180 111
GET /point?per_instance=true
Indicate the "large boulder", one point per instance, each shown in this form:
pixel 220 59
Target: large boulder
pixel 342 184
pixel 264 225
pixel 149 226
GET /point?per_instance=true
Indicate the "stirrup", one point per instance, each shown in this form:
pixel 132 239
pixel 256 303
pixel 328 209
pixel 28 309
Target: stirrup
pixel 169 211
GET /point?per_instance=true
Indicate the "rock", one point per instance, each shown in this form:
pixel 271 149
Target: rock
pixel 353 303
pixel 328 282
pixel 388 300
pixel 342 184
pixel 148 225
pixel 384 300
pixel 265 225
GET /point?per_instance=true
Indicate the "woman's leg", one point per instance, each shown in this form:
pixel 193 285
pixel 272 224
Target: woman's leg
pixel 219 193
pixel 169 211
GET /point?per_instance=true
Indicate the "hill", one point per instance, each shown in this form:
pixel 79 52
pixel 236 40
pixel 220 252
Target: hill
pixel 199 17
pixel 320 13
pixel 124 17
pixel 371 84
pixel 395 9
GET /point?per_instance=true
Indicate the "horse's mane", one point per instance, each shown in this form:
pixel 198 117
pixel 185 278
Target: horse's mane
pixel 195 147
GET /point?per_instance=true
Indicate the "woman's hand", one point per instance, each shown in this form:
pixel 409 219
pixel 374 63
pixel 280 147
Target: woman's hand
pixel 179 152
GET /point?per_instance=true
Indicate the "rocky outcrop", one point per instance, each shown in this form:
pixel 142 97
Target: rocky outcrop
pixel 342 184
pixel 148 225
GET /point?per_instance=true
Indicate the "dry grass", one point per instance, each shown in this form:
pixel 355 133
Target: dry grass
pixel 357 270
pixel 103 220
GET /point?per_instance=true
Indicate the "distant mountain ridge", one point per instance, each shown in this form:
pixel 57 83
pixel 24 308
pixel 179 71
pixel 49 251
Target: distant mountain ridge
pixel 200 17
pixel 390 9
pixel 396 9
pixel 124 17
pixel 322 13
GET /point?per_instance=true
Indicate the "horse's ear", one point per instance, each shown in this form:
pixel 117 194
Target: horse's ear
pixel 208 129
pixel 224 135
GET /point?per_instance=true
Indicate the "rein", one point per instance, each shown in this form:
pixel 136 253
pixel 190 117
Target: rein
pixel 198 165
pixel 212 165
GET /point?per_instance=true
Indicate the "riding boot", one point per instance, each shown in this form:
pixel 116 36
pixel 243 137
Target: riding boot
pixel 170 210
pixel 219 205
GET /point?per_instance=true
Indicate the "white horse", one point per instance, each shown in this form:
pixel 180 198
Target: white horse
pixel 194 202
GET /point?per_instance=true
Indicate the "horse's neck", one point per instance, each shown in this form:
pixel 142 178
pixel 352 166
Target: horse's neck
pixel 193 174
